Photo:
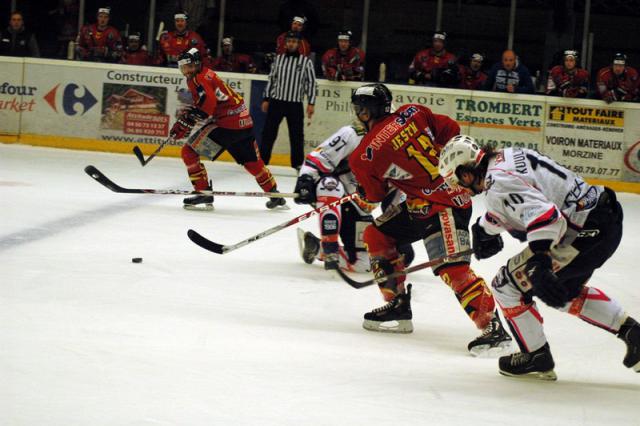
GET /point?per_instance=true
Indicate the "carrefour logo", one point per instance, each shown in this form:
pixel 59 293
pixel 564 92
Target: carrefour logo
pixel 71 98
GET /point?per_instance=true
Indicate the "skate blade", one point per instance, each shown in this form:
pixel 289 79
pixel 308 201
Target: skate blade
pixel 283 207
pixel 198 207
pixel 535 375
pixel 488 351
pixel 636 367
pixel 402 326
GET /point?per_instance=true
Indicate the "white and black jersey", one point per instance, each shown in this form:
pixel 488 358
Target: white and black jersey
pixel 527 192
pixel 331 157
pixel 291 78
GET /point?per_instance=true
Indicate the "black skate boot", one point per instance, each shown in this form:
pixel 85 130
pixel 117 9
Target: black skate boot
pixel 199 202
pixel 493 341
pixel 397 313
pixel 535 365
pixel 275 201
pixel 331 261
pixel 630 333
pixel 309 246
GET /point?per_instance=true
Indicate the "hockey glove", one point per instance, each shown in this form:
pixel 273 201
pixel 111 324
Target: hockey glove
pixel 181 128
pixel 195 114
pixel 485 245
pixel 545 282
pixel 306 189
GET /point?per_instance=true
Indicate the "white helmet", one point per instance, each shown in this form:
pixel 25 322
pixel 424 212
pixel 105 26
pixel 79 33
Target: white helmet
pixel 461 150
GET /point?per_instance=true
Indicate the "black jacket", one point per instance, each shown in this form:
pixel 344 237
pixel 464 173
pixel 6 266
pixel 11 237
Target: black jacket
pixel 18 43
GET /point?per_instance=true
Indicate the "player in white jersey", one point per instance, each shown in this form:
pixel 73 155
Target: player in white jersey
pixel 324 178
pixel 571 228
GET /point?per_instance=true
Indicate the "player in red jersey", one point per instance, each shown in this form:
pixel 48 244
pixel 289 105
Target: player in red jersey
pixel 173 43
pixel 99 42
pixel 227 125
pixel 568 80
pixel 232 62
pixel 618 82
pixel 429 65
pixel 297 25
pixel 345 62
pixel 400 151
pixel 135 53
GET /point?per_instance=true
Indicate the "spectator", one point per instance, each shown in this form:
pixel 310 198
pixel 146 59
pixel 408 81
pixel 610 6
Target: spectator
pixel 135 53
pixel 297 26
pixel 568 80
pixel 471 76
pixel 65 16
pixel 16 40
pixel 509 76
pixel 429 65
pixel 232 62
pixel 291 78
pixel 99 42
pixel 617 82
pixel 344 62
pixel 173 43
pixel 291 8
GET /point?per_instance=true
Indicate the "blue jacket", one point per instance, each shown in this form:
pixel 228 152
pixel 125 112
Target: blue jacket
pixel 499 78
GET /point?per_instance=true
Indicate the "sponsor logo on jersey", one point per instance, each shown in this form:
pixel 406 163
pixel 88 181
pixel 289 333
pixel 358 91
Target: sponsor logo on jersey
pixel 448 231
pixel 70 99
pixel 396 172
pixel 403 116
pixel 379 139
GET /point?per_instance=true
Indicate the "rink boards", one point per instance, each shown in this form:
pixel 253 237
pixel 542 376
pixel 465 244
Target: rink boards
pixel 112 108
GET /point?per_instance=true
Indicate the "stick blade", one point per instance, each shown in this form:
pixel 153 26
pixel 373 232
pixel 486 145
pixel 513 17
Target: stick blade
pixel 205 243
pixel 353 283
pixel 139 155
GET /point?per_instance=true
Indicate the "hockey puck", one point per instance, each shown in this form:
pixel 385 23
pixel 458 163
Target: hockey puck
pixel 137 260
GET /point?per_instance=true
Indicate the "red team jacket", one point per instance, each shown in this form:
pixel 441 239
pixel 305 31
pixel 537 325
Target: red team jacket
pixel 471 80
pixel 568 84
pixel 173 44
pixel 622 88
pixel 213 96
pixel 343 66
pixel 304 48
pixel 402 151
pixel 139 57
pixel 426 61
pixel 236 62
pixel 96 45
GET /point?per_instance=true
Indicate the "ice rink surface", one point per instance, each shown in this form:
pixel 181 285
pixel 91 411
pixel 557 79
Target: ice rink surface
pixel 253 337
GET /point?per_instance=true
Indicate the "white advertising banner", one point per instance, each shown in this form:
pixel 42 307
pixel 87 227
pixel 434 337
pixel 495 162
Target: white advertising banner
pixel 16 97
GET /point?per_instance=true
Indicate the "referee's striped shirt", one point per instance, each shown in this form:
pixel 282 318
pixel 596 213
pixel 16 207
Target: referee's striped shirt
pixel 291 77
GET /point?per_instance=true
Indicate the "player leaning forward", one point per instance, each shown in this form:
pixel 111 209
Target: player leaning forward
pixel 227 125
pixel 571 228
pixel 400 150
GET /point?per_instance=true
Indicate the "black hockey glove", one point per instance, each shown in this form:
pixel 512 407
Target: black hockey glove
pixel 485 245
pixel 306 189
pixel 545 282
pixel 195 114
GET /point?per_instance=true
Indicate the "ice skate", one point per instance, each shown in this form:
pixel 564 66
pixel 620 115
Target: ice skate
pixel 394 317
pixel 630 334
pixel 493 341
pixel 309 246
pixel 331 261
pixel 535 365
pixel 276 202
pixel 199 202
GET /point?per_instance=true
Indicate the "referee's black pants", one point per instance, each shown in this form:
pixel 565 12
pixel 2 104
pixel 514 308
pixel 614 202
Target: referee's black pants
pixel 294 112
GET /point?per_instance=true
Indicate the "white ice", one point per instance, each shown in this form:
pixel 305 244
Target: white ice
pixel 253 337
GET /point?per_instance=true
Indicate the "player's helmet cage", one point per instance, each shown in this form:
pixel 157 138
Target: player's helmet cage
pixel 461 154
pixel 375 97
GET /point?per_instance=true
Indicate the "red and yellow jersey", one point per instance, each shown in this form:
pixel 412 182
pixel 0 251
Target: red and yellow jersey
pixel 622 87
pixel 97 44
pixel 236 62
pixel 172 44
pixel 304 48
pixel 214 97
pixel 569 84
pixel 348 65
pixel 402 151
pixel 137 57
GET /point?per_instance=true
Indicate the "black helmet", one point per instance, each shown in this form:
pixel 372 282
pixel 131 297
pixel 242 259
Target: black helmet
pixel 376 97
pixel 620 59
pixel 190 56
pixel 345 35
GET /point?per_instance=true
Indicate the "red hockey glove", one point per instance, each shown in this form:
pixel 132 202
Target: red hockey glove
pixel 181 128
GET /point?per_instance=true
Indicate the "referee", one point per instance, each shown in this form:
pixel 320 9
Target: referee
pixel 291 78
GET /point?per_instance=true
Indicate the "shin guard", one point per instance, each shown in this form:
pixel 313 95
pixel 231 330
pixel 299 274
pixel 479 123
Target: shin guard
pixel 195 168
pixel 472 293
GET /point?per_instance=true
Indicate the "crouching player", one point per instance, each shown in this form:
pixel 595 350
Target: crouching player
pixel 571 228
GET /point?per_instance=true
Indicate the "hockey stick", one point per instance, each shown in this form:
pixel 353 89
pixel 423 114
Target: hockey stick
pixel 222 249
pixel 138 152
pixel 418 267
pixel 99 177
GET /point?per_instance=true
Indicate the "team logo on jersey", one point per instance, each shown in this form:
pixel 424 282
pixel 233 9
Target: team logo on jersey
pixel 70 99
pixel 396 172
pixel 221 96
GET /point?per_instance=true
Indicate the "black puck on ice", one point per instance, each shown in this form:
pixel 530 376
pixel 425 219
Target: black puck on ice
pixel 137 260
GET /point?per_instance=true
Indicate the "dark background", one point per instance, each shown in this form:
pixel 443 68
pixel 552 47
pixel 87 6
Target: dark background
pixel 397 30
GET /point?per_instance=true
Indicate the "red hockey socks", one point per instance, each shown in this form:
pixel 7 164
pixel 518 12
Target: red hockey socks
pixel 263 175
pixel 195 168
